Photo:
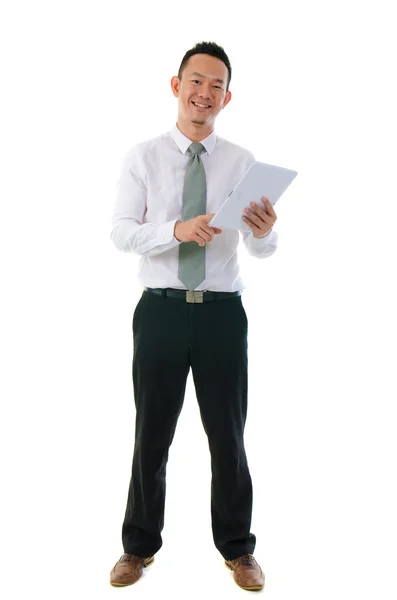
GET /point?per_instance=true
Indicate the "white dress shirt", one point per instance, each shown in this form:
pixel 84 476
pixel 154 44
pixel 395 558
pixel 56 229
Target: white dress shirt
pixel 149 203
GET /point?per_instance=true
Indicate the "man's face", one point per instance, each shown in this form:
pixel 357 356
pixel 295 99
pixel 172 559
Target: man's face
pixel 204 80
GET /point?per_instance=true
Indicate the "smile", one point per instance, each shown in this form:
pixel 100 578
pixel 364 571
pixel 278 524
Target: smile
pixel 200 105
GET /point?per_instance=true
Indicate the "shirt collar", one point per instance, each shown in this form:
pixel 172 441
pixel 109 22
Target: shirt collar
pixel 183 142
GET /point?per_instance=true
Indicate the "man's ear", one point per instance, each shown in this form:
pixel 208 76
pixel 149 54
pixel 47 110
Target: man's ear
pixel 227 99
pixel 175 83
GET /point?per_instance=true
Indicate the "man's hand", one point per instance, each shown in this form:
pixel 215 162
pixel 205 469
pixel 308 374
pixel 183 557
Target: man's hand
pixel 261 220
pixel 196 230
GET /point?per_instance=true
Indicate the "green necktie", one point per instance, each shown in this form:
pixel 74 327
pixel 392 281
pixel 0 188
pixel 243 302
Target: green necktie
pixel 194 202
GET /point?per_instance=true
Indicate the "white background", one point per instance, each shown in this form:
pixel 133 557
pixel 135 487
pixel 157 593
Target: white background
pixel 312 89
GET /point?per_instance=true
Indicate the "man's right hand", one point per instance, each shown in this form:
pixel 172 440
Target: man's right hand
pixel 196 230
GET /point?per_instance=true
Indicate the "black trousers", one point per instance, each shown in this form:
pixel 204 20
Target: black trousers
pixel 170 336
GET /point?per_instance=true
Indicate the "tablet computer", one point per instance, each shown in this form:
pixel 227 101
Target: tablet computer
pixel 259 180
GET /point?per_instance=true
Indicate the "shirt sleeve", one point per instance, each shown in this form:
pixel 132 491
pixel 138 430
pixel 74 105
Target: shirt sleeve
pixel 260 247
pixel 129 233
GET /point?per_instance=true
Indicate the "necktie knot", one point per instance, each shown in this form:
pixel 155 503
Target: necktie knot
pixel 196 148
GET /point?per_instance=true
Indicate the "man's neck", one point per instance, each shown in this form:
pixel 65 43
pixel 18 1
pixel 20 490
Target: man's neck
pixel 193 132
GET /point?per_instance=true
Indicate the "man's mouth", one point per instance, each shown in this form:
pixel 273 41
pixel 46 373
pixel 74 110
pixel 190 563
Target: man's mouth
pixel 199 105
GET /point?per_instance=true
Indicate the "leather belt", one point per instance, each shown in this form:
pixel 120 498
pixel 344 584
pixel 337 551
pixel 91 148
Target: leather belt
pixel 195 297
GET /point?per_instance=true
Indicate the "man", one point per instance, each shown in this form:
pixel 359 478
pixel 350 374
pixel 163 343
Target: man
pixel 190 313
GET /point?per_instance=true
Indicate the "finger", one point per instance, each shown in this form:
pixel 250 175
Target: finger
pixel 248 222
pixel 199 240
pixel 258 210
pixel 200 236
pixel 264 218
pixel 209 230
pixel 207 233
pixel 269 207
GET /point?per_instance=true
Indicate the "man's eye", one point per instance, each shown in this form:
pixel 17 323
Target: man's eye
pixel 216 86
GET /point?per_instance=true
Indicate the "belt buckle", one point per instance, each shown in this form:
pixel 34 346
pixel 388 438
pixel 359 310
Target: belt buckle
pixel 194 297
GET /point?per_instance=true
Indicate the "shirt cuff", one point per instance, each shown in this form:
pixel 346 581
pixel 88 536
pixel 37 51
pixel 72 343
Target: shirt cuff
pixel 264 241
pixel 165 234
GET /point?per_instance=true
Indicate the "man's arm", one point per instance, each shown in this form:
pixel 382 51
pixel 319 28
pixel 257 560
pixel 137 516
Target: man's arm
pixel 260 247
pixel 129 233
pixel 261 241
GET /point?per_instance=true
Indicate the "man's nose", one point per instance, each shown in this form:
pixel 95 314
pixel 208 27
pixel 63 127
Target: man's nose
pixel 205 92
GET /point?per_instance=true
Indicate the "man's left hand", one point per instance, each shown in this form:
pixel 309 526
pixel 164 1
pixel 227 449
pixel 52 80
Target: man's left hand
pixel 261 220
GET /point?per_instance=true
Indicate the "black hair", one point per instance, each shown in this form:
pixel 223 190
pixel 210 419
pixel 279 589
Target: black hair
pixel 207 48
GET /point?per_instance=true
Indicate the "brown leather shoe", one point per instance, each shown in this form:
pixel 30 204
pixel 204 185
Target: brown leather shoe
pixel 128 569
pixel 246 572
